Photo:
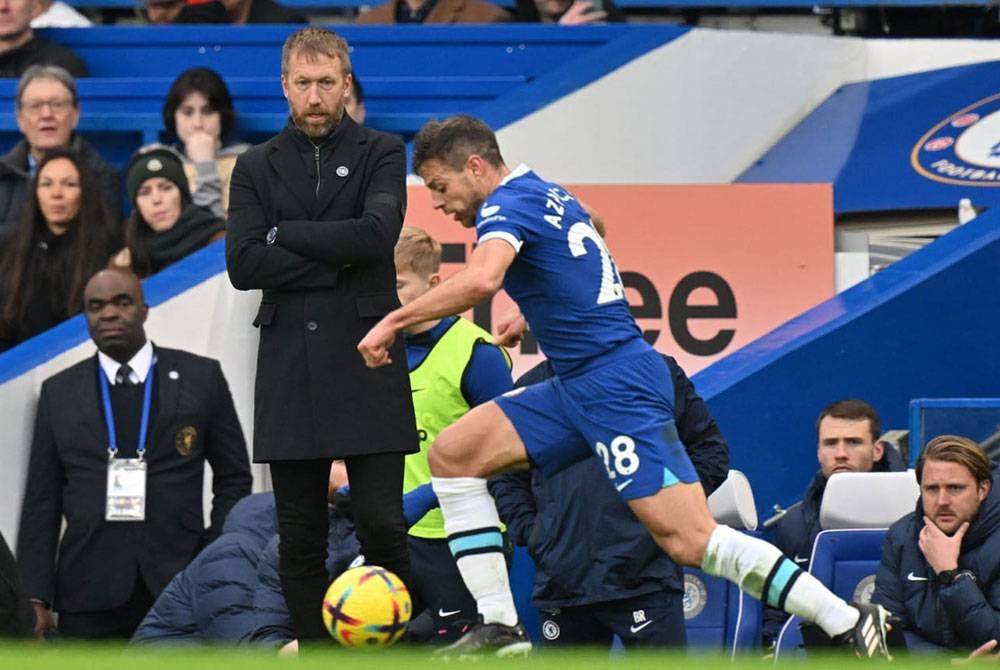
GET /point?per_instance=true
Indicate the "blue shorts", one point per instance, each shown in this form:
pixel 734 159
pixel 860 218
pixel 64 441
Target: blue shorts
pixel 622 411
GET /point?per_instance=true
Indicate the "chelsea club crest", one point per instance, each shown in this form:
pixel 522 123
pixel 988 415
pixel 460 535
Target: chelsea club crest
pixel 963 149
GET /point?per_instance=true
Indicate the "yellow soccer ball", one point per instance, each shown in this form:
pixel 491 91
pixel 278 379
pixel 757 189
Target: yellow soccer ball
pixel 367 606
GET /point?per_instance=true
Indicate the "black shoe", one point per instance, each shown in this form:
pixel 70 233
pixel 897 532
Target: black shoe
pixel 868 637
pixel 489 639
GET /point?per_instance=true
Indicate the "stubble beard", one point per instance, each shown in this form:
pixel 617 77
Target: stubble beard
pixel 316 130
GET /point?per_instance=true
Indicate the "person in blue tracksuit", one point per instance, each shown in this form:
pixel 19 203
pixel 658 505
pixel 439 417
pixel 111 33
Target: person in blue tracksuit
pixel 940 568
pixel 211 600
pixel 848 434
pixel 598 572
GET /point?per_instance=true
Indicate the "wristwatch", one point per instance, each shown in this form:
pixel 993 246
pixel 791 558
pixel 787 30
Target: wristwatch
pixel 272 236
pixel 947 577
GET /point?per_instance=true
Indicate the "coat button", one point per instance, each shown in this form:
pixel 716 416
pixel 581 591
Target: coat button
pixel 312 325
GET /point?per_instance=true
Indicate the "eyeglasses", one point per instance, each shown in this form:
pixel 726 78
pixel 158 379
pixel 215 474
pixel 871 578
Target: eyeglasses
pixel 35 107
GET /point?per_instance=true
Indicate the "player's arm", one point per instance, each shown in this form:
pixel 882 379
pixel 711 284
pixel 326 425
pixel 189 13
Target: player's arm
pixel 478 280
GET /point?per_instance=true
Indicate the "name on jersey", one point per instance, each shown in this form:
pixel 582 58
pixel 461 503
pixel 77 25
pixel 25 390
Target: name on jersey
pixel 555 199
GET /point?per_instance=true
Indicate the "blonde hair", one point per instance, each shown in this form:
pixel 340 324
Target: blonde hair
pixel 316 41
pixel 417 251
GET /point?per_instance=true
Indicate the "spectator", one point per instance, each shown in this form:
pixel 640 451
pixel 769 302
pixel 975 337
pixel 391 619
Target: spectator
pixel 163 12
pixel 63 236
pixel 57 14
pixel 119 551
pixel 940 569
pixel 598 573
pixel 239 12
pixel 165 226
pixel 198 113
pixel 434 11
pixel 354 101
pixel 211 600
pixel 20 48
pixel 47 110
pixel 848 435
pixel 567 12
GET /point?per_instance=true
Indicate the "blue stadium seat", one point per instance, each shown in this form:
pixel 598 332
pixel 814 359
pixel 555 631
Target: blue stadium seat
pixel 845 561
pixel 720 617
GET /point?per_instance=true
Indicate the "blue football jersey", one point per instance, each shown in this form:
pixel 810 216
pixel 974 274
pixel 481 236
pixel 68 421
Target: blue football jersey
pixel 563 279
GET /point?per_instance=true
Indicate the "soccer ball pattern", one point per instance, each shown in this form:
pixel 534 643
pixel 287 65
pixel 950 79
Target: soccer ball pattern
pixel 367 606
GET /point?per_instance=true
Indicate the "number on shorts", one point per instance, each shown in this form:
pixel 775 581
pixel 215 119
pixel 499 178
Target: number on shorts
pixel 621 458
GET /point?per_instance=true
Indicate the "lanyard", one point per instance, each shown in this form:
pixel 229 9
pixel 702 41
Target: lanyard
pixel 109 419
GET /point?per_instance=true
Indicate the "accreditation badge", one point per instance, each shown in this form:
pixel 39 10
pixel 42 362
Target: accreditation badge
pixel 126 490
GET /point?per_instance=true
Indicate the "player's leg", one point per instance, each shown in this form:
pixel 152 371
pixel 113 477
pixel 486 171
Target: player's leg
pixel 625 411
pixel 483 442
pixel 477 445
pixel 681 524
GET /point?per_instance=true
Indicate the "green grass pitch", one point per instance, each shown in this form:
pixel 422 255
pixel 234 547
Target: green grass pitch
pixel 65 656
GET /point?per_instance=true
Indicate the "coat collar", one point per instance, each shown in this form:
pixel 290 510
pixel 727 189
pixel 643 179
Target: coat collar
pixel 338 150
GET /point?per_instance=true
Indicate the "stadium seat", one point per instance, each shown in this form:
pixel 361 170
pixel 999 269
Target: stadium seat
pixel 720 617
pixel 867 499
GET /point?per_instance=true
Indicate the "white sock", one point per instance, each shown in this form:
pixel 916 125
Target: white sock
pixel 764 572
pixel 473 527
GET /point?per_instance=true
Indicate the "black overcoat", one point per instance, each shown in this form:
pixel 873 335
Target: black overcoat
pixel 327 279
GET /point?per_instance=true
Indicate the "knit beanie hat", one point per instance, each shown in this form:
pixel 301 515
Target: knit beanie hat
pixel 160 162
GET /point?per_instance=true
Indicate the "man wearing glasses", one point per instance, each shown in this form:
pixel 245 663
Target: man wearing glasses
pixel 47 111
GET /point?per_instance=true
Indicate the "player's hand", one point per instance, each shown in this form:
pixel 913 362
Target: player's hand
pixel 981 654
pixel 200 146
pixel 582 13
pixel 290 649
pixel 44 622
pixel 374 346
pixel 940 550
pixel 511 329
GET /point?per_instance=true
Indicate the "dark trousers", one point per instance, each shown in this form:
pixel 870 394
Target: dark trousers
pixel 300 495
pixel 119 622
pixel 651 620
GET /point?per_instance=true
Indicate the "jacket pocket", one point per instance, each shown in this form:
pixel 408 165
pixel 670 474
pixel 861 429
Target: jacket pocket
pixel 376 305
pixel 265 314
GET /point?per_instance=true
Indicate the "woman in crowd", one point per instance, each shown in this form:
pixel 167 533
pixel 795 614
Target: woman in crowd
pixel 165 225
pixel 62 237
pixel 199 117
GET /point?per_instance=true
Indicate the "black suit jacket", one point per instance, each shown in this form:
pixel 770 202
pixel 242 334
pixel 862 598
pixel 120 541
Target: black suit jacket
pixel 98 561
pixel 327 280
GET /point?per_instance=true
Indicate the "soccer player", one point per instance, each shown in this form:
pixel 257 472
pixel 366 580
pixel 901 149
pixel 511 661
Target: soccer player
pixel 612 391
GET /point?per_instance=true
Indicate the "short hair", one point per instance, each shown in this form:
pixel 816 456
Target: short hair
pixel 417 251
pixel 453 140
pixel 957 449
pixel 53 72
pixel 852 410
pixel 210 84
pixel 314 41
